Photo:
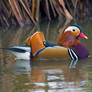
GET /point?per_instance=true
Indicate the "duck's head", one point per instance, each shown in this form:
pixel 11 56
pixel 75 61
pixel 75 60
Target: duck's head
pixel 70 36
pixel 75 30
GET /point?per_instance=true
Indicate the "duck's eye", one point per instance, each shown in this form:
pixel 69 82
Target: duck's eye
pixel 73 30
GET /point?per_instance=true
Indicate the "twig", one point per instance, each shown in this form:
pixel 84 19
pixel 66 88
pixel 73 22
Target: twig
pixel 37 10
pixel 52 8
pixel 47 8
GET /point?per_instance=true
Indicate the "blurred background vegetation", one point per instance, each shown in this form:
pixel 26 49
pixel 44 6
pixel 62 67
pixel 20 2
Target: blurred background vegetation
pixel 31 12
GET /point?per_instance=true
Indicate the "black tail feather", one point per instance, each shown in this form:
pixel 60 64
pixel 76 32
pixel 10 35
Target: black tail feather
pixel 15 50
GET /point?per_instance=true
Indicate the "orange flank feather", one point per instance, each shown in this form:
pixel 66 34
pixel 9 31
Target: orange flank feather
pixel 36 42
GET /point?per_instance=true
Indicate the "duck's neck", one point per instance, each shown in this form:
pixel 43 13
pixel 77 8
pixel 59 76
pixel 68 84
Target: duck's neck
pixel 81 50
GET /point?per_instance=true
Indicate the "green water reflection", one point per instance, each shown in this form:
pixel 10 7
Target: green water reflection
pixel 43 75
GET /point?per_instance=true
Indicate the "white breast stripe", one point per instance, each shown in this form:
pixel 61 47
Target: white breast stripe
pixel 72 54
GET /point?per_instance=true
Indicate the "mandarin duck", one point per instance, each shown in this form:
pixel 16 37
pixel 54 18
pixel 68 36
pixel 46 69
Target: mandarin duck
pixel 68 45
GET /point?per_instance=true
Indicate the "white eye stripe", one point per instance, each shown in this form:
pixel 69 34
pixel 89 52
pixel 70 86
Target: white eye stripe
pixel 68 29
pixel 71 28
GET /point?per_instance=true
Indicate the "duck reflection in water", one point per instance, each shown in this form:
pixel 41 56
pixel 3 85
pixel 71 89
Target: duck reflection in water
pixel 57 75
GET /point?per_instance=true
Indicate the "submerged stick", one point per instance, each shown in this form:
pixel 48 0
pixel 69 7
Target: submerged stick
pixel 19 11
pixel 52 8
pixel 37 10
pixel 57 8
pixel 28 10
pixel 15 12
pixel 67 14
pixel 47 8
pixel 33 7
